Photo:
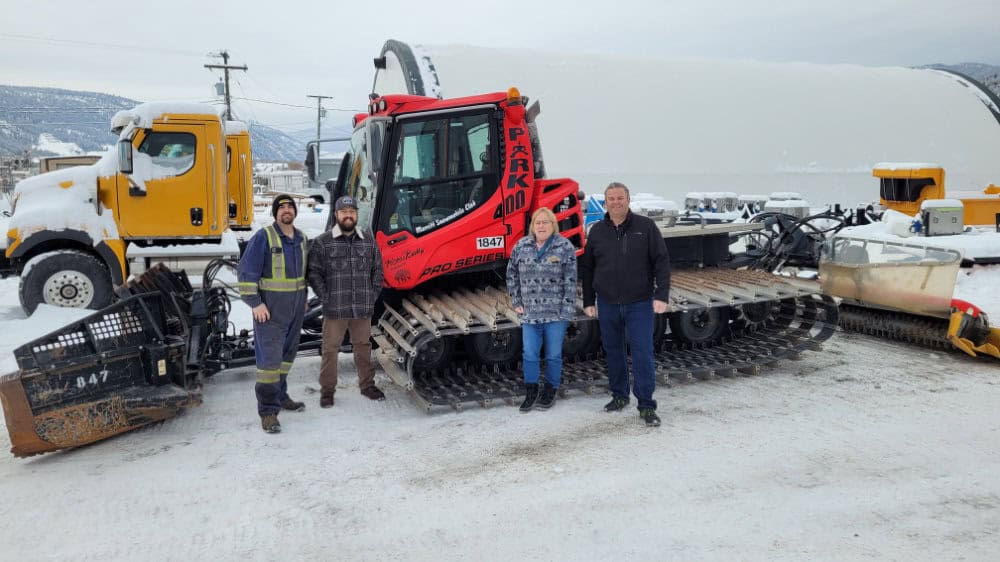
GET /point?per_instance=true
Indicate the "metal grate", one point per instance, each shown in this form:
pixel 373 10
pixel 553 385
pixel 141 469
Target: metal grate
pixel 126 324
pixel 116 325
pixel 64 340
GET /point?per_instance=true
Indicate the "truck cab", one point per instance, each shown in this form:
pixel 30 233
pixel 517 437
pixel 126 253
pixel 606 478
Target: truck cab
pixel 164 184
pixel 239 175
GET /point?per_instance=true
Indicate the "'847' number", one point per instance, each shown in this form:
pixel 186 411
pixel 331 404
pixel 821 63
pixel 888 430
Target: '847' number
pixel 93 380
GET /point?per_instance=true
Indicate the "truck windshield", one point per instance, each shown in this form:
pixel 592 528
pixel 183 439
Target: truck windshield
pixel 442 167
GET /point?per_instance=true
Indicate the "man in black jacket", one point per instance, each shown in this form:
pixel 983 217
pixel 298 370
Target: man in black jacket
pixel 627 266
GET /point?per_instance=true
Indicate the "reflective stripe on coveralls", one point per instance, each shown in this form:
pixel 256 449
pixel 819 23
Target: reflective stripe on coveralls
pixel 278 282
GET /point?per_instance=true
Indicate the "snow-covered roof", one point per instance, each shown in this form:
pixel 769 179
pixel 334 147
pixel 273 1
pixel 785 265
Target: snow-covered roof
pixel 905 165
pixel 941 204
pixel 236 127
pixel 784 195
pixel 144 114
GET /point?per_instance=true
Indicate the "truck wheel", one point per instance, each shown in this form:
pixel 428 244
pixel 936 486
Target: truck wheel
pixel 65 278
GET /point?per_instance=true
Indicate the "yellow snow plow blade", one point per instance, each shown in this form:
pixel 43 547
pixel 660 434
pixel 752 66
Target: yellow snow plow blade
pixel 958 323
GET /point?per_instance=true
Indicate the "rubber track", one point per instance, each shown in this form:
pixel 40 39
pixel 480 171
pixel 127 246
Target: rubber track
pixel 802 328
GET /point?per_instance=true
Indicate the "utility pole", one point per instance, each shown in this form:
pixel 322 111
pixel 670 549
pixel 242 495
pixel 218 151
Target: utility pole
pixel 225 66
pixel 319 110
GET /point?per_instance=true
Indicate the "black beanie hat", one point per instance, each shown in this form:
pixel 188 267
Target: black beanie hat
pixel 283 198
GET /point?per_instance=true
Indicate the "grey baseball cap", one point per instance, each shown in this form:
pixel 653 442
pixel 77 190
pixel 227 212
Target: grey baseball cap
pixel 344 202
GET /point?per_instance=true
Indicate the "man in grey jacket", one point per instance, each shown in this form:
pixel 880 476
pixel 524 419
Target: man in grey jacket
pixel 345 271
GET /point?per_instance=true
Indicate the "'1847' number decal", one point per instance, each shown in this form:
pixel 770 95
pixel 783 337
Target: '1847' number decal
pixel 489 243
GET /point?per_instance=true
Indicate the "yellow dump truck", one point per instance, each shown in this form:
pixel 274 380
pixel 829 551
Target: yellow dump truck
pixel 178 176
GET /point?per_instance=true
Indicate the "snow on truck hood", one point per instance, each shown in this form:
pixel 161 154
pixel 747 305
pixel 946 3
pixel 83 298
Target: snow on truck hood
pixel 65 200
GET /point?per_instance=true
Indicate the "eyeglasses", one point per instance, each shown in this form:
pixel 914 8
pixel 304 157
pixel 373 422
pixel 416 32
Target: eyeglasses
pixel 543 222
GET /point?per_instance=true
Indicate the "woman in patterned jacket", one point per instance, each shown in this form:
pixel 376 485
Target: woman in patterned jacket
pixel 541 280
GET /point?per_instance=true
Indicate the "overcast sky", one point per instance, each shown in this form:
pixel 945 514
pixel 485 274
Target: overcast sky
pixel 156 51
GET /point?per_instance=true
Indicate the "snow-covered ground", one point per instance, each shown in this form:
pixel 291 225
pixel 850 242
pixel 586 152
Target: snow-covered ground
pixel 865 450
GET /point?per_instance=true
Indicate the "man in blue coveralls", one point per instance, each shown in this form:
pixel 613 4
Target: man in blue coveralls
pixel 272 282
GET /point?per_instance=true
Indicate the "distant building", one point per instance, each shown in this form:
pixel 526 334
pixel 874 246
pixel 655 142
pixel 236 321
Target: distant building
pixel 54 163
pixel 283 181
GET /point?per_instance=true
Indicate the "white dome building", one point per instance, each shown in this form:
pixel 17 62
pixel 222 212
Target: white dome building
pixel 670 127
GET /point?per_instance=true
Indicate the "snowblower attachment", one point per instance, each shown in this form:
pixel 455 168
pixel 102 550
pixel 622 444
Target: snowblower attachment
pixel 115 370
pixel 904 292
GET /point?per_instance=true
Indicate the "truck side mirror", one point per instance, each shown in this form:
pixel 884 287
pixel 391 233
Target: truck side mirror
pixel 125 156
pixel 311 160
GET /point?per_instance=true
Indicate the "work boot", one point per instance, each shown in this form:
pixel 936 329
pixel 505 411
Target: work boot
pixel 530 395
pixel 547 398
pixel 373 393
pixel 617 404
pixel 326 398
pixel 649 416
pixel 270 424
pixel 289 404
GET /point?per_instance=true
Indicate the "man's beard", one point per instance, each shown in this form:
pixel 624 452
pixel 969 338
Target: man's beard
pixel 346 225
pixel 287 218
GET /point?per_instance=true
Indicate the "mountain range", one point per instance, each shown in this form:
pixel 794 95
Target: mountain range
pixel 54 122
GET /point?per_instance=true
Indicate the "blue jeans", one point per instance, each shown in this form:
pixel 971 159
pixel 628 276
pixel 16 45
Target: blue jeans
pixel 532 336
pixel 630 324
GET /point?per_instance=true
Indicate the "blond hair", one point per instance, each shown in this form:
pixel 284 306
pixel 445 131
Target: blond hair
pixel 544 212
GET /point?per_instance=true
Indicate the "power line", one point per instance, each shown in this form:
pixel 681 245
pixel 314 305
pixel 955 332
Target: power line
pixel 299 106
pixel 42 107
pixel 101 45
pixel 253 114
